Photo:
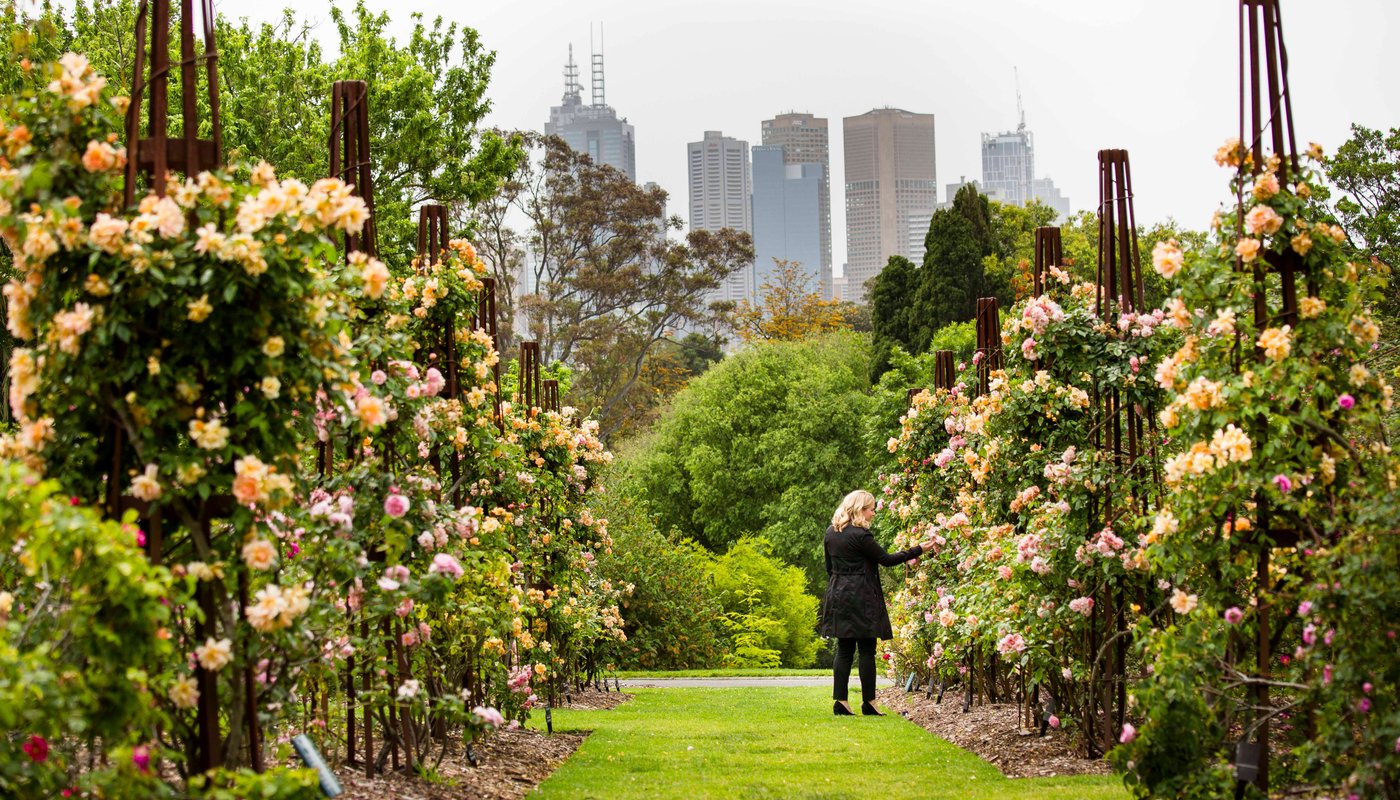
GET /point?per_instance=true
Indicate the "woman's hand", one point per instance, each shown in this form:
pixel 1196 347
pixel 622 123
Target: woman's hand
pixel 927 546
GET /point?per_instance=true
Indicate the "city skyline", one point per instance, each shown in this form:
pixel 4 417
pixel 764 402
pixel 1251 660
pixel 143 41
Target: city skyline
pixel 1087 80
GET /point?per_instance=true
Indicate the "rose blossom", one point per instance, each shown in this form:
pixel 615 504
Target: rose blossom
pixel 37 748
pixel 396 505
pixel 1346 401
pixel 1233 615
pixel 1082 605
pixel 1129 733
pixel 1283 483
pixel 141 758
pixel 490 716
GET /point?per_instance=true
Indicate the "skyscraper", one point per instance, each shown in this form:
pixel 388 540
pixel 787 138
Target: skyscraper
pixel 786 215
pixel 594 129
pixel 804 140
pixel 1008 166
pixel 720 186
pixel 891 187
pixel 1008 169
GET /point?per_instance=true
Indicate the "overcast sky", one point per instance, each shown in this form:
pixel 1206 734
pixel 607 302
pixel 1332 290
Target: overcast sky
pixel 1158 78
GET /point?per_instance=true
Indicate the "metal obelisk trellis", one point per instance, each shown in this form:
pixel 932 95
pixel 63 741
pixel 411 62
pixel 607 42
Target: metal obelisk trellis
pixel 1264 77
pixel 530 388
pixel 1117 429
pixel 1049 252
pixel 155 155
pixel 350 156
pixel 350 161
pixel 944 372
pixel 486 321
pixel 988 341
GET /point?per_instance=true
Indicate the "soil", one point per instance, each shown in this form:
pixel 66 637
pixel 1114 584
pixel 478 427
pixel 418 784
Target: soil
pixel 510 764
pixel 992 732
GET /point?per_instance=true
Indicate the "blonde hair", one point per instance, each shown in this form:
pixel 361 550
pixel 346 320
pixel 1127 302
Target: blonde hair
pixel 854 505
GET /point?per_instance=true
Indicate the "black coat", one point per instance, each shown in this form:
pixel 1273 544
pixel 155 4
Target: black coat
pixel 854 605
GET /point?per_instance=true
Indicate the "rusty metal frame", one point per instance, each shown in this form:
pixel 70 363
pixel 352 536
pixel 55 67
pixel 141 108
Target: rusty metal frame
pixel 944 372
pixel 350 156
pixel 1264 67
pixel 530 389
pixel 157 154
pixel 988 341
pixel 1049 252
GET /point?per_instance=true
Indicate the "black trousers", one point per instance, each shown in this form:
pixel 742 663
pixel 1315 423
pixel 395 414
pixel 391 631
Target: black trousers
pixel 845 649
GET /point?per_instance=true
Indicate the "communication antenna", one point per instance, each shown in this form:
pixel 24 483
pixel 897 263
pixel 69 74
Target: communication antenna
pixel 571 85
pixel 598 100
pixel 1020 109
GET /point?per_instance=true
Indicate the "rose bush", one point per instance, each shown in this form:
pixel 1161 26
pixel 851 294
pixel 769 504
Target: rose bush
pixel 316 440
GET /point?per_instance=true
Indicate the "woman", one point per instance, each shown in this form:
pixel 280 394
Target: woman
pixel 853 610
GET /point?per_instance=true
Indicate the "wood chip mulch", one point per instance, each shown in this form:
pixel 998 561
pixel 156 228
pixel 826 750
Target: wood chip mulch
pixel 991 732
pixel 511 763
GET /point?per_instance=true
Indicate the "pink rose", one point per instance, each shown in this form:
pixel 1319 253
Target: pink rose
pixel 1233 615
pixel 1129 733
pixel 1346 401
pixel 378 377
pixel 445 564
pixel 396 505
pixel 141 757
pixel 1054 721
pixel 1283 483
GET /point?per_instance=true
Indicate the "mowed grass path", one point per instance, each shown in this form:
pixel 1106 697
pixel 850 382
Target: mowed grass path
pixel 776 743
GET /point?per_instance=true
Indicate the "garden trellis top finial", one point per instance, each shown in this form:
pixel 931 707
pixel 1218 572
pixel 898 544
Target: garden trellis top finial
pixel 156 153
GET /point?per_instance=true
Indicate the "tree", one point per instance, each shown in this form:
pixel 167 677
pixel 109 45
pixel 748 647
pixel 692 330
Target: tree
pixel 766 442
pixel 953 275
pixel 1366 170
pixel 606 287
pixel 891 312
pixel 1011 264
pixel 789 310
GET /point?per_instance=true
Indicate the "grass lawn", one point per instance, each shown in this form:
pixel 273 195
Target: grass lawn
pixel 726 673
pixel 776 743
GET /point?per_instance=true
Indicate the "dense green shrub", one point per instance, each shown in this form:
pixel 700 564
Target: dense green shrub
pixel 767 605
pixel 670 608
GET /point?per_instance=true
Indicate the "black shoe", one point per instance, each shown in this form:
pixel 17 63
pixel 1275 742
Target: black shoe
pixel 869 710
pixel 840 709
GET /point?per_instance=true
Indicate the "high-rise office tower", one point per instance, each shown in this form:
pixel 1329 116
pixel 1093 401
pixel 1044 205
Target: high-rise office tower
pixel 804 140
pixel 720 187
pixel 1008 166
pixel 786 215
pixel 891 187
pixel 593 129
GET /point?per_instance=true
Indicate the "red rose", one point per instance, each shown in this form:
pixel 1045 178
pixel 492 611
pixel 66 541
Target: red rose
pixel 37 748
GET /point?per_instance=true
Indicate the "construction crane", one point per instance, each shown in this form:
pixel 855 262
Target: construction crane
pixel 1020 109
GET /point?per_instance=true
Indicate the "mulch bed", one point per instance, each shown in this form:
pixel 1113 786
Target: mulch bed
pixel 512 762
pixel 991 732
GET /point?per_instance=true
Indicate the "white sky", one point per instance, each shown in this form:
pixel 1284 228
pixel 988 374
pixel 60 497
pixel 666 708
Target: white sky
pixel 1158 78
